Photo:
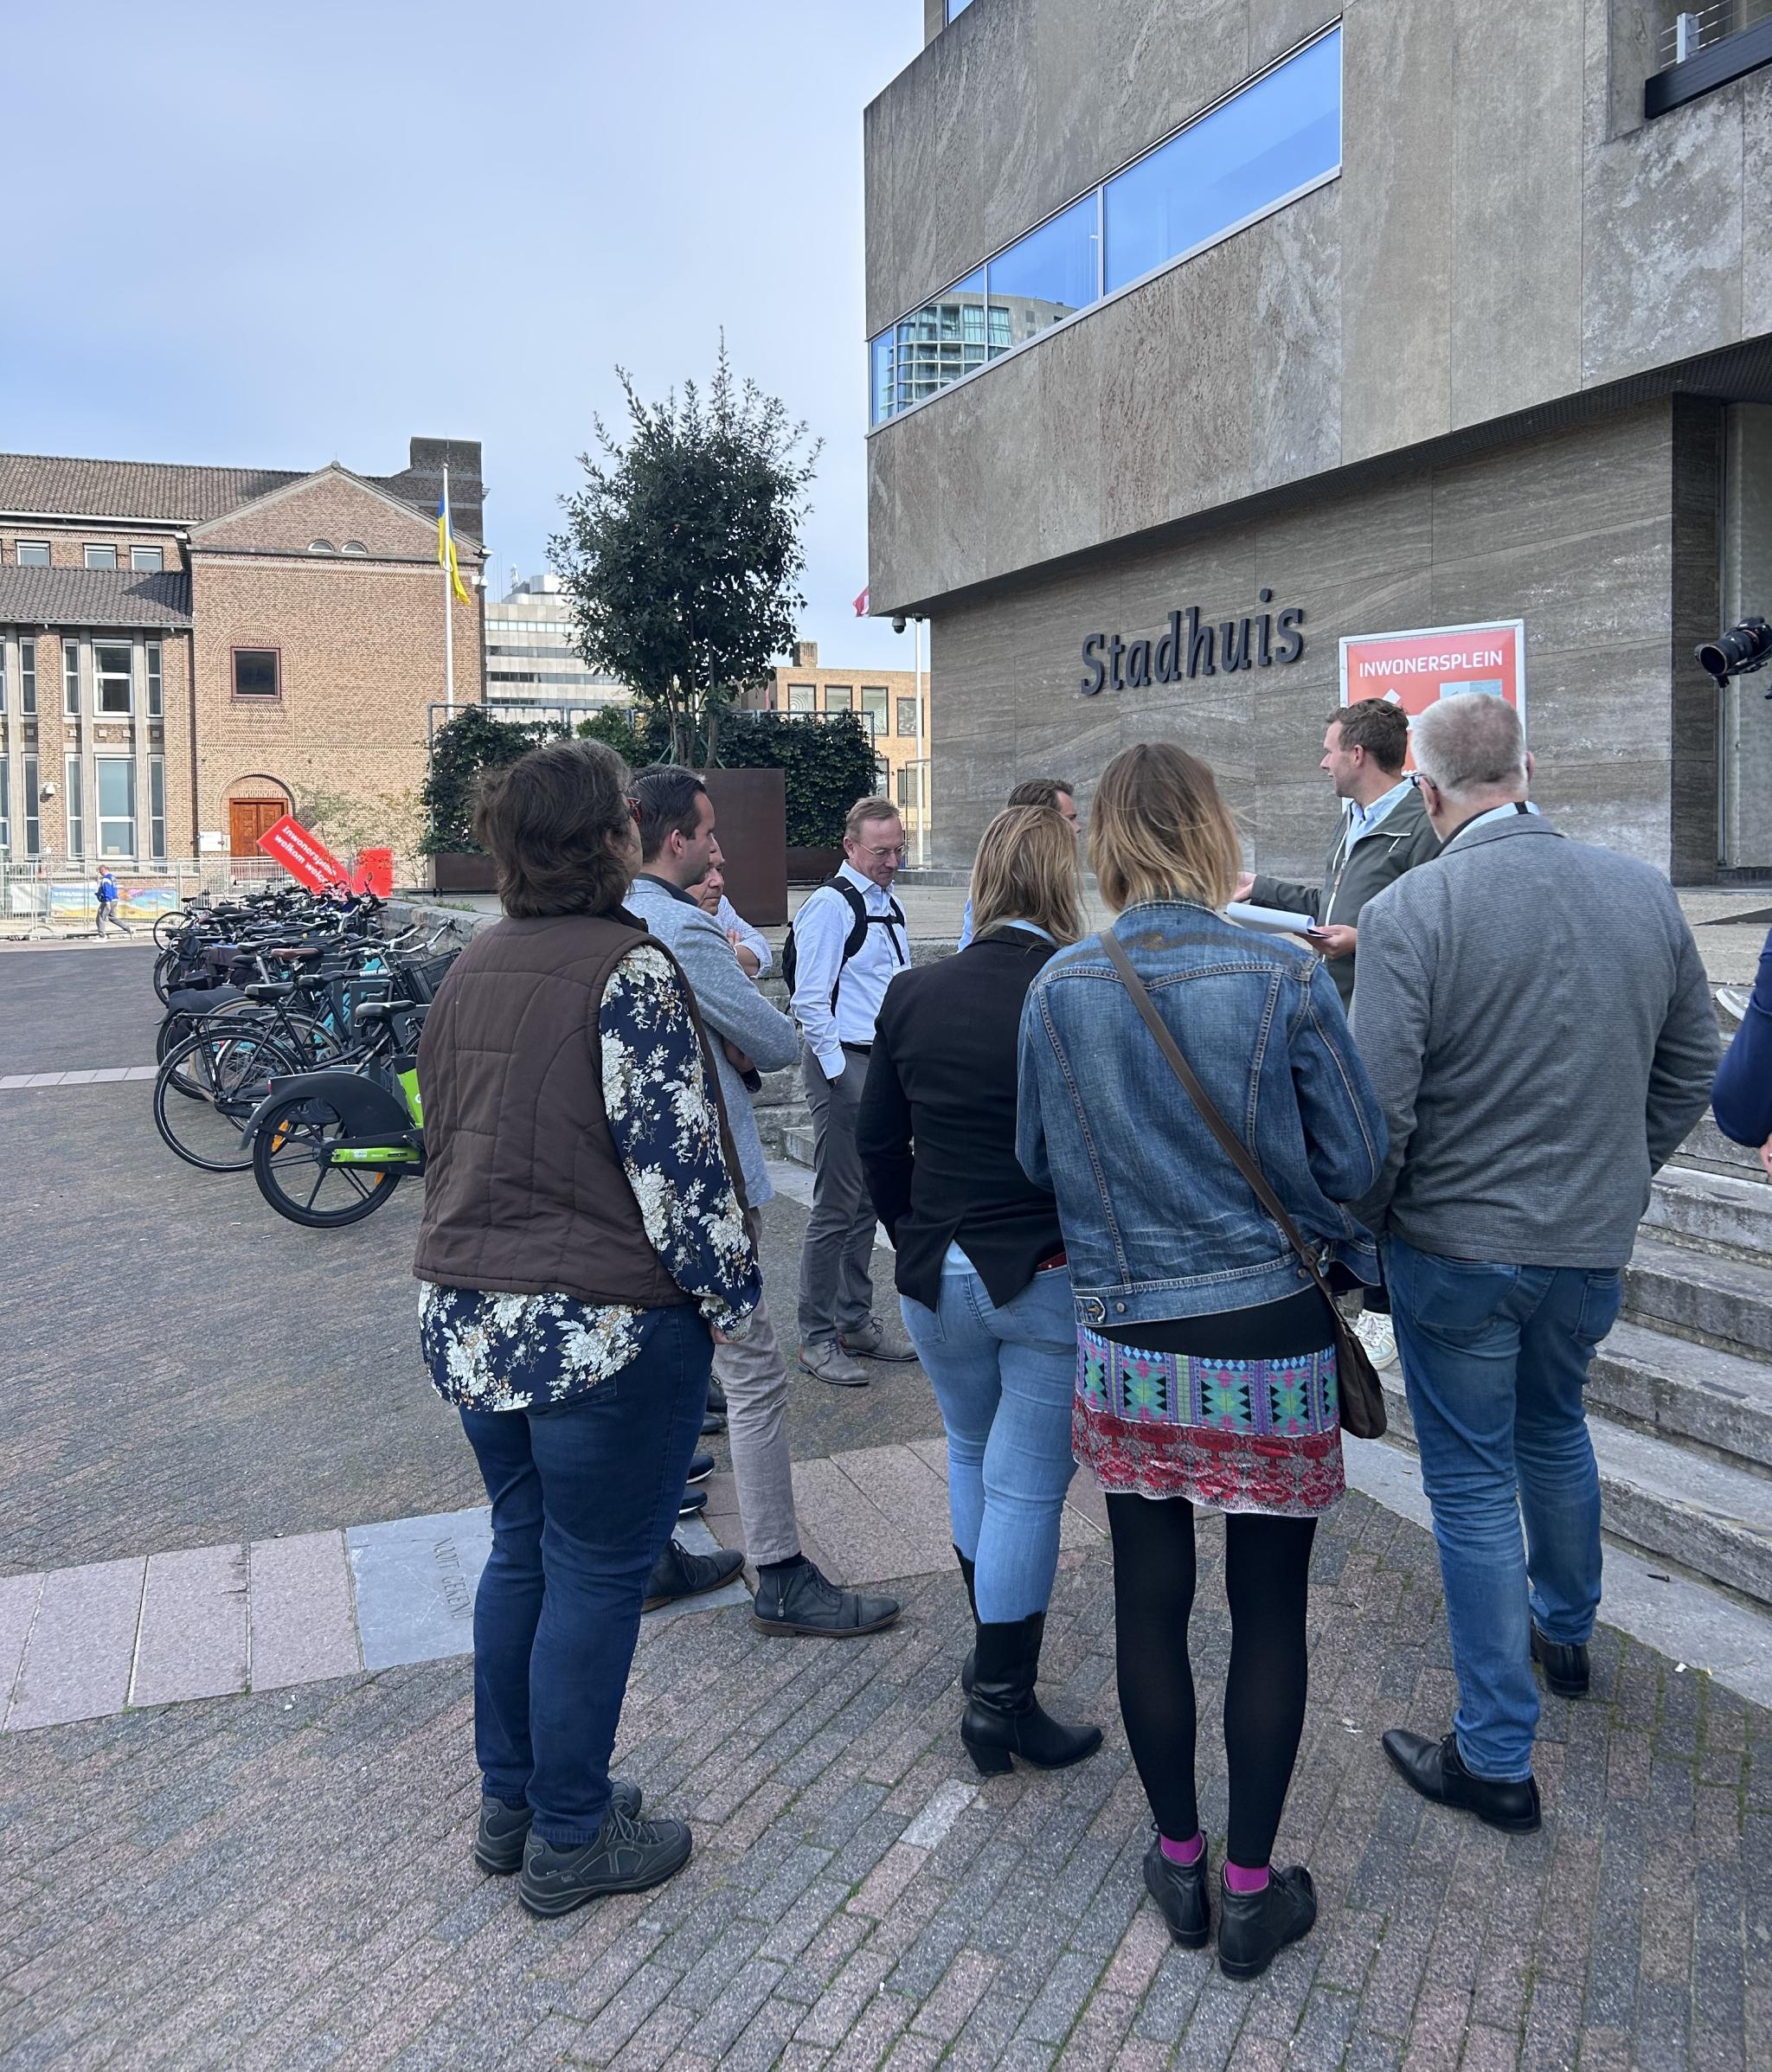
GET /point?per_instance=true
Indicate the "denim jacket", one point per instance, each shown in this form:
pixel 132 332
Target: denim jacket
pixel 1158 1222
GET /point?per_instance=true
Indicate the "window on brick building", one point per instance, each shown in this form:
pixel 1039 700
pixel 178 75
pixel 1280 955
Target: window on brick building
pixel 116 790
pixel 354 546
pixel 147 561
pixel 3 685
pixel 5 808
pixel 29 808
pixel 110 676
pixel 256 673
pixel 321 547
pixel 906 724
pixel 873 710
pixel 73 798
pixel 100 556
pixel 27 677
pixel 157 807
pixel 33 553
pixel 799 697
pixel 156 699
pixel 839 697
pixel 70 676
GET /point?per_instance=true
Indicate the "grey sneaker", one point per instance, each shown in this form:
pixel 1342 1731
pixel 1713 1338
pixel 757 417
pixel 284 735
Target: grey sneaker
pixel 628 1856
pixel 504 1829
pixel 832 1363
pixel 877 1341
pixel 802 1600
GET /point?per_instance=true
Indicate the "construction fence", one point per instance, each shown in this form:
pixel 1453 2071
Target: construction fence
pixel 59 896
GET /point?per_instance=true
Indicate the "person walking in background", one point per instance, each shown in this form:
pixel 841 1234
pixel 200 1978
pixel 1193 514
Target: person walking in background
pixel 677 839
pixel 1535 1018
pixel 750 946
pixel 1059 794
pixel 1741 1096
pixel 848 942
pixel 583 1239
pixel 1205 1376
pixel 980 1266
pixel 107 903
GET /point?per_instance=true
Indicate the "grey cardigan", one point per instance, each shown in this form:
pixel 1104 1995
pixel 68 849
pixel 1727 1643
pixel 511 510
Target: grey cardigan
pixel 1401 839
pixel 730 1005
pixel 1535 1018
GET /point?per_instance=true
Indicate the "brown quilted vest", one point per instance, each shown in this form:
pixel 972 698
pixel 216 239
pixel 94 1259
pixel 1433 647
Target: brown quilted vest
pixel 524 1190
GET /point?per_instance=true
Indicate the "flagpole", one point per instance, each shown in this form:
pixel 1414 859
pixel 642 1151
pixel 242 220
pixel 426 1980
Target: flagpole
pixel 448 606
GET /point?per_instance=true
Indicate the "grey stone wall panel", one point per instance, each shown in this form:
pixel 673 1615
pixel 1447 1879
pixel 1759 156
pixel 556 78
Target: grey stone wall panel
pixel 1756 222
pixel 1294 341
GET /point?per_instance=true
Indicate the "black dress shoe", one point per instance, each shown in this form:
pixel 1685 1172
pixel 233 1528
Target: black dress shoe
pixel 691 1503
pixel 504 1829
pixel 700 1467
pixel 716 1397
pixel 628 1856
pixel 1436 1770
pixel 804 1601
pixel 677 1573
pixel 1565 1668
pixel 1179 1890
pixel 1255 1927
pixel 714 1422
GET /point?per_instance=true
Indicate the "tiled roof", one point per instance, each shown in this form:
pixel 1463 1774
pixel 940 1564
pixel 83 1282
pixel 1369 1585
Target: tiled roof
pixel 94 597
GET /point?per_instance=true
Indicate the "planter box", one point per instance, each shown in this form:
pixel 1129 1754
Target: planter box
pixel 463 872
pixel 750 813
pixel 812 866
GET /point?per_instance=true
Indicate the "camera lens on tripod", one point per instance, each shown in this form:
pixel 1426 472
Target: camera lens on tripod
pixel 1743 648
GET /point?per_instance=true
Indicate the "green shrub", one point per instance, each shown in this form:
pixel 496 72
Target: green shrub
pixel 828 764
pixel 472 741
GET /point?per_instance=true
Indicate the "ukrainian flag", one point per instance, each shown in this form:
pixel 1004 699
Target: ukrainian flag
pixel 445 546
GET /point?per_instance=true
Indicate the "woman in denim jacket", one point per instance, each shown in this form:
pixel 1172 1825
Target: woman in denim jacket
pixel 1205 1354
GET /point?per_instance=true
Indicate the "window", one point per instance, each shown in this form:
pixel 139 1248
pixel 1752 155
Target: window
pixel 147 561
pixel 1259 149
pixel 101 557
pixel 111 661
pixel 156 806
pixel 957 7
pixel 256 673
pixel 70 676
pixel 321 547
pixel 874 712
pixel 116 790
pixel 906 722
pixel 151 655
pixel 5 809
pixel 30 806
pixel 800 698
pixel 2 672
pixel 839 697
pixel 73 800
pixel 33 553
pixel 27 677
pixel 354 546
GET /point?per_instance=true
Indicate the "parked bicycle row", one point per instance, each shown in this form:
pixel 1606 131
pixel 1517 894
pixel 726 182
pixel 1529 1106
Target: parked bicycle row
pixel 288 1049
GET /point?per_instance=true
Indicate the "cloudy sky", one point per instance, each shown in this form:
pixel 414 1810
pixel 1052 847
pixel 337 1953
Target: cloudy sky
pixel 283 235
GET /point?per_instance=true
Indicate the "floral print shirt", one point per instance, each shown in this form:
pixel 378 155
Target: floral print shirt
pixel 488 1350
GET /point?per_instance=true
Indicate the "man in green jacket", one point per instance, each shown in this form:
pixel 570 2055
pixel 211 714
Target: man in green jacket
pixel 1385 832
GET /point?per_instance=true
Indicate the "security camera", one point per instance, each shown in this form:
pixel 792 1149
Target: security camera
pixel 898 622
pixel 1745 647
pixel 48 792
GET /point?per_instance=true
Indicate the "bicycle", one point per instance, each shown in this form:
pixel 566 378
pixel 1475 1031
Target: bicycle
pixel 223 1076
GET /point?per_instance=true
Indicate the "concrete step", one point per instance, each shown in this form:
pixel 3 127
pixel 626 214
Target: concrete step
pixel 1714 1297
pixel 797 1145
pixel 1704 1517
pixel 1707 1147
pixel 779 1090
pixel 775 1126
pixel 1712 1211
pixel 1687 1392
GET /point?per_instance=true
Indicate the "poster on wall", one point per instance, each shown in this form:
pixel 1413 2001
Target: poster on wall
pixel 1416 668
pixel 304 856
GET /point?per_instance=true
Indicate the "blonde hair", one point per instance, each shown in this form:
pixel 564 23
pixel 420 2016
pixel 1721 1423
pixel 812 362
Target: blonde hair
pixel 1027 870
pixel 865 810
pixel 1158 829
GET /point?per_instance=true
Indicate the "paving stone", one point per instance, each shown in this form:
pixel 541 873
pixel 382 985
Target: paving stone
pixel 414 1581
pixel 301 1626
pixel 77 1659
pixel 193 1638
pixel 18 1606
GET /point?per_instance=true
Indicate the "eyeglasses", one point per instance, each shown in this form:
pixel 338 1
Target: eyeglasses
pixel 634 807
pixel 896 849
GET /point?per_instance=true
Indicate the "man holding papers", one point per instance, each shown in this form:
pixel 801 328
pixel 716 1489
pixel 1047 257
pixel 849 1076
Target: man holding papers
pixel 1385 832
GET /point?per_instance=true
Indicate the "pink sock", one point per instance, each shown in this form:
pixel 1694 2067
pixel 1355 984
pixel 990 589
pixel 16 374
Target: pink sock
pixel 1237 1879
pixel 1183 1852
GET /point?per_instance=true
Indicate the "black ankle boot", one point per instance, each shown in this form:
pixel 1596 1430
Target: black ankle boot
pixel 968 1570
pixel 1179 1890
pixel 1255 1927
pixel 1003 1718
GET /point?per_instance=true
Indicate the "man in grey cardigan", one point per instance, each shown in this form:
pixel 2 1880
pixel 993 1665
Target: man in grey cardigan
pixel 1537 1022
pixel 677 847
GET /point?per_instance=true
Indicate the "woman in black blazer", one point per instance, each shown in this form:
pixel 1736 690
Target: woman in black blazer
pixel 981 1276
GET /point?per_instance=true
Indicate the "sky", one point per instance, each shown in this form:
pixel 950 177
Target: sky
pixel 277 236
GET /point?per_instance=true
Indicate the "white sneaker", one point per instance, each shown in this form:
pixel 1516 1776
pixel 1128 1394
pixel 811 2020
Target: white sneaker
pixel 1377 1337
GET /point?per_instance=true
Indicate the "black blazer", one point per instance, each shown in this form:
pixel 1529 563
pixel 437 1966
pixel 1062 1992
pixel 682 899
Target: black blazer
pixel 936 1132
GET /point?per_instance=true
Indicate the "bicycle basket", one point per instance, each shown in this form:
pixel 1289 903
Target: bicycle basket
pixel 422 980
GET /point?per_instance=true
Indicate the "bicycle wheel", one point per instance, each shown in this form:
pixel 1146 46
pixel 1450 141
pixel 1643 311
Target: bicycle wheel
pixel 164 966
pixel 291 1163
pixel 166 926
pixel 224 1076
pixel 303 1036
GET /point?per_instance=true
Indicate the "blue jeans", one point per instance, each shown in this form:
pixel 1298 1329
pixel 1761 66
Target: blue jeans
pixel 584 1496
pixel 1005 1379
pixel 1495 1360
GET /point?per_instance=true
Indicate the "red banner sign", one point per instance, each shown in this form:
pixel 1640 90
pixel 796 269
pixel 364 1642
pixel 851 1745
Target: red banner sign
pixel 1416 669
pixel 305 857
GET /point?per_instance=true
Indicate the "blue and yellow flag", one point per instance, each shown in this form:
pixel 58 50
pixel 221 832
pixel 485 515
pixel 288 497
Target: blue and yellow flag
pixel 445 546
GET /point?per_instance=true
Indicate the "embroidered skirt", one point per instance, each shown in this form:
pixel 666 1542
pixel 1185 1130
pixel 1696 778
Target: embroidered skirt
pixel 1257 1435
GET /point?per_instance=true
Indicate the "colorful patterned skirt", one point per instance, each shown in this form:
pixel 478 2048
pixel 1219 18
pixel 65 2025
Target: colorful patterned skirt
pixel 1258 1435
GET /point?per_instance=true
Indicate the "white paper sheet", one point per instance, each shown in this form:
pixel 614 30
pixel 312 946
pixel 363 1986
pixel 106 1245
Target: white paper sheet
pixel 1268 920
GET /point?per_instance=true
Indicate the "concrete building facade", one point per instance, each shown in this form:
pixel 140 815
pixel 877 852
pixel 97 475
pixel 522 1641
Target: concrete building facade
pixel 533 670
pixel 188 652
pixel 894 708
pixel 1402 315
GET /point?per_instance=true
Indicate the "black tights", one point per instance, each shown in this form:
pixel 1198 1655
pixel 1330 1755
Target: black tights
pixel 1267 1564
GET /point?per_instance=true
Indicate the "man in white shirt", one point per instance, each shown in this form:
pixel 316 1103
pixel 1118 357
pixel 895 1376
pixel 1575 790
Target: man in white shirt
pixel 848 941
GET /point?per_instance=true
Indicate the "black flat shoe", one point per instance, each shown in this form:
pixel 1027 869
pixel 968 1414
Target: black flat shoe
pixel 677 1573
pixel 1255 1927
pixel 1436 1770
pixel 1179 1890
pixel 504 1829
pixel 1565 1667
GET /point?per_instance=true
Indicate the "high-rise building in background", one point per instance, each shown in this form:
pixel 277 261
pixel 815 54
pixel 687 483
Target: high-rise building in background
pixel 533 670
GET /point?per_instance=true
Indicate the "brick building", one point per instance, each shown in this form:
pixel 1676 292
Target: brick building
pixel 187 653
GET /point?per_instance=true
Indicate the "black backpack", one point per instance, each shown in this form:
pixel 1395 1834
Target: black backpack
pixel 860 921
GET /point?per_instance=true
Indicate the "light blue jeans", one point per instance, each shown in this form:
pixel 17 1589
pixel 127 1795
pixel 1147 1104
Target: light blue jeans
pixel 1005 1379
pixel 1494 1361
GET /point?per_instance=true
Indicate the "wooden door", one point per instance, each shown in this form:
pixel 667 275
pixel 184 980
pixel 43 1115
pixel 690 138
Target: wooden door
pixel 248 819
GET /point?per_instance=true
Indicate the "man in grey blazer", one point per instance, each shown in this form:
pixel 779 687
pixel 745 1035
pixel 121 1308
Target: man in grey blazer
pixel 1536 1019
pixel 677 847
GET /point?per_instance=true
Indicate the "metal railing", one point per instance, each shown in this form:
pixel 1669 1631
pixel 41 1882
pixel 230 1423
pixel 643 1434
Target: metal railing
pixel 57 896
pixel 1696 29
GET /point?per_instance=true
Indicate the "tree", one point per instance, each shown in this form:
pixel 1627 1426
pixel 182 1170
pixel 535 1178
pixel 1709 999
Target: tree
pixel 622 729
pixel 344 822
pixel 682 550
pixel 472 741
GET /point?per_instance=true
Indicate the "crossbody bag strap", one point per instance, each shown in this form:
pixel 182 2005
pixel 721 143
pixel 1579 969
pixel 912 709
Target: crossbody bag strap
pixel 1232 1145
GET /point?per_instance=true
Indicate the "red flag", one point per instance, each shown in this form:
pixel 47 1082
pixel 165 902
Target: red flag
pixel 861 605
